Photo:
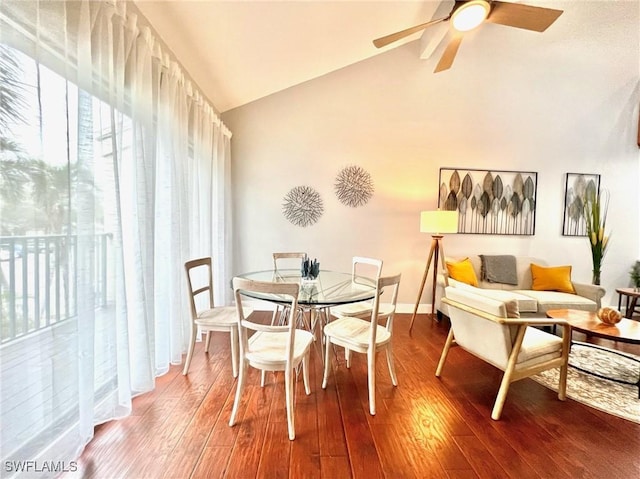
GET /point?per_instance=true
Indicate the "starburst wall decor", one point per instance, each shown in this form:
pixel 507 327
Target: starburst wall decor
pixel 353 186
pixel 302 206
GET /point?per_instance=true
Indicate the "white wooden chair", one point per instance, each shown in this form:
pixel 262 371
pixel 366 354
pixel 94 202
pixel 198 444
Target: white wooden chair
pixel 366 336
pixel 280 258
pixel 283 261
pixel 204 314
pixel 494 332
pixel 272 347
pixel 360 267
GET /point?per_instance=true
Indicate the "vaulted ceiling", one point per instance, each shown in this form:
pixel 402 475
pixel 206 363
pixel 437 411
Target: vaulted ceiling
pixel 238 51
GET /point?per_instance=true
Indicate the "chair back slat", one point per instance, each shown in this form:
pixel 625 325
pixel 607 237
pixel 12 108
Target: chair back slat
pixel 387 282
pixel 361 266
pixel 280 259
pixel 199 280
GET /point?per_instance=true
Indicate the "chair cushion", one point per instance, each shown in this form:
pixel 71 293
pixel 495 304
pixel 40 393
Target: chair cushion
pixel 473 297
pixel 355 331
pixel 555 278
pixel 526 304
pixel 462 271
pixel 219 316
pixel 361 309
pixel 353 309
pixel 537 346
pixel 267 346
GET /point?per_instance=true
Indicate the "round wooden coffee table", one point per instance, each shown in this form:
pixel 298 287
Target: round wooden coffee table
pixel 631 295
pixel 626 331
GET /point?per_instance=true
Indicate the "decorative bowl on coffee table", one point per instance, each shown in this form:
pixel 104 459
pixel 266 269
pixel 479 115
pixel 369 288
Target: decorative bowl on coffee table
pixel 609 315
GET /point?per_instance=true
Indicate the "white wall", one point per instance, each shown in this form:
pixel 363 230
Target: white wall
pixel 557 102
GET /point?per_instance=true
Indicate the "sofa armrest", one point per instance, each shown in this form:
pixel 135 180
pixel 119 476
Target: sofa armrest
pixel 590 291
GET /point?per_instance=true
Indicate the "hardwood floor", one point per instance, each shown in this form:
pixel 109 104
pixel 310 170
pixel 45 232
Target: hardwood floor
pixel 424 428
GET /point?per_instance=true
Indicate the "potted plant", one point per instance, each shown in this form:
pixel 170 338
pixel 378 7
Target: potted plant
pixel 595 215
pixel 635 275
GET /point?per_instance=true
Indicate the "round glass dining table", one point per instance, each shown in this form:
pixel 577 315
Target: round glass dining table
pixel 330 288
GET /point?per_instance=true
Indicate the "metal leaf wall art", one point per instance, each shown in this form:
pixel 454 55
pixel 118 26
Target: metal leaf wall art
pixel 490 202
pixel 302 206
pixel 353 186
pixel 578 187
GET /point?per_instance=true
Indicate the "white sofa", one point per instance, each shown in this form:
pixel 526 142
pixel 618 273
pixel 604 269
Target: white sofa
pixel 530 303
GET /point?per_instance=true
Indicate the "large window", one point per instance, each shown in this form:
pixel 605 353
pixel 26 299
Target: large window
pixel 114 170
pixel 58 201
pixel 40 169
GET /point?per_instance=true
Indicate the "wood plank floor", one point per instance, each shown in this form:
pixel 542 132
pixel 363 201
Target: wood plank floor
pixel 424 428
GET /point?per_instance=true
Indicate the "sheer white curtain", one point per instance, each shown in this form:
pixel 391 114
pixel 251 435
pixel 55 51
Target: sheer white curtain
pixel 148 164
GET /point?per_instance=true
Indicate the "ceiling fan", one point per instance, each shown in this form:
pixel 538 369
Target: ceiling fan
pixel 467 15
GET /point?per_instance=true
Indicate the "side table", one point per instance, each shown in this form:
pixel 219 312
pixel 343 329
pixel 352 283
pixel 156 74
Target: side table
pixel 631 298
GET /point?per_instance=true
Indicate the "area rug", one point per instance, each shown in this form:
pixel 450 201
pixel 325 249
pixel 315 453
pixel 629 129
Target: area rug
pixel 611 397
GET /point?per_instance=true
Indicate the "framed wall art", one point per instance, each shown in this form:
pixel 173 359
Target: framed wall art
pixel 490 201
pixel 578 186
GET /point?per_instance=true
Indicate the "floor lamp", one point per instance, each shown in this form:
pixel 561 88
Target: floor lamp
pixel 437 223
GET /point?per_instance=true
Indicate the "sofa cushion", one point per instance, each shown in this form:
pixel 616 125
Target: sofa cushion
pixel 462 271
pixel 556 300
pixel 555 278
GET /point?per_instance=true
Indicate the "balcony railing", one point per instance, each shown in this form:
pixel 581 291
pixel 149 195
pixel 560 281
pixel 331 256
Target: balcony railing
pixel 38 279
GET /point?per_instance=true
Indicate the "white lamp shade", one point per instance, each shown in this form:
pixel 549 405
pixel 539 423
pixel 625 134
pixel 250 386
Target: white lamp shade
pixel 439 222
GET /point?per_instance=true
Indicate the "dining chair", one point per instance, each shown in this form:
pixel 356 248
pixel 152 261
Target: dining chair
pixel 271 347
pixel 366 336
pixel 204 314
pixel 360 267
pixel 281 258
pixel 493 331
pixel 283 261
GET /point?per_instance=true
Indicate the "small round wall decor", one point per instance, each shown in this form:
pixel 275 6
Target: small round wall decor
pixel 302 206
pixel 353 186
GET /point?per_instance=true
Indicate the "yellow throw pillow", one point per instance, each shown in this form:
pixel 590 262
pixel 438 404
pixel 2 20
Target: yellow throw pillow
pixel 555 278
pixel 462 271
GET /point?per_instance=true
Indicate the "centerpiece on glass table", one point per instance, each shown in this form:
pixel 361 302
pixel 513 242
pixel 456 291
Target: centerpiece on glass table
pixel 309 269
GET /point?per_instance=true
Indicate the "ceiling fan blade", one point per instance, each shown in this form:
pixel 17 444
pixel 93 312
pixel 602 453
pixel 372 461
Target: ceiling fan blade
pixel 449 53
pixel 537 19
pixel 386 40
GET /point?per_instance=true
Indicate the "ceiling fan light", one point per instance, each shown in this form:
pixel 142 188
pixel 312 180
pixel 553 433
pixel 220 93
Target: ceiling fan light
pixel 470 15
